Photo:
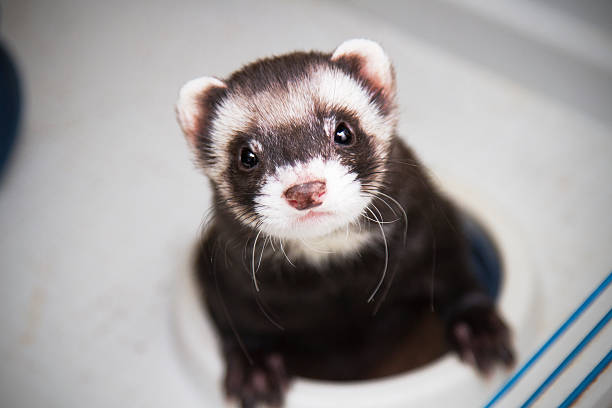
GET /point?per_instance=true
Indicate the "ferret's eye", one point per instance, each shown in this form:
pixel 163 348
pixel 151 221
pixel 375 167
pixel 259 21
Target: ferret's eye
pixel 248 159
pixel 343 134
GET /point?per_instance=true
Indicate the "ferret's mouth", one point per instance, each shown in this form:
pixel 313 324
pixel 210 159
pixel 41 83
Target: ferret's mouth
pixel 313 215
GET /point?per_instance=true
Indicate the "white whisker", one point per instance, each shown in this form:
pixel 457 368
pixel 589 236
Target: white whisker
pixel 376 221
pixel 284 253
pixel 403 212
pixel 384 272
pixel 272 244
pixel 385 202
pixel 380 215
pixel 253 261
pixel 263 248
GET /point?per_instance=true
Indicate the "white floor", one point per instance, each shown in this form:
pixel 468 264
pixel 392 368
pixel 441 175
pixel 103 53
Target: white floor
pixel 101 203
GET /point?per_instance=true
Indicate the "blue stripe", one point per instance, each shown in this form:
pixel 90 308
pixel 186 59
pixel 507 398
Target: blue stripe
pixel 570 320
pixel 552 377
pixel 587 381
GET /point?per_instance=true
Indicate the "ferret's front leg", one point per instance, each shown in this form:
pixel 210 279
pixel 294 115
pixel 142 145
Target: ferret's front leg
pixel 254 377
pixel 477 332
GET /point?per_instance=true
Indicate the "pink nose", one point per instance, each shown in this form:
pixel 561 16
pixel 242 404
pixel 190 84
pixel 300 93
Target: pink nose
pixel 305 196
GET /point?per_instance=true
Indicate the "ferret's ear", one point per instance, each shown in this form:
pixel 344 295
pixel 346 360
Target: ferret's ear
pixel 371 63
pixel 194 104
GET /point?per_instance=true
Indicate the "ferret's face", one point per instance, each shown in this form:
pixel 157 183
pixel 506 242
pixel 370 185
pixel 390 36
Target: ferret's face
pixel 296 145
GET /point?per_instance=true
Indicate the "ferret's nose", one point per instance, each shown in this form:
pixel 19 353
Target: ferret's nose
pixel 305 196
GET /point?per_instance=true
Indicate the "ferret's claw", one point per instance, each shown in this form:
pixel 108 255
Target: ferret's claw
pixel 263 381
pixel 481 338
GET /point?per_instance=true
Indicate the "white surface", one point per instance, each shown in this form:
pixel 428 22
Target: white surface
pixel 550 26
pixel 101 204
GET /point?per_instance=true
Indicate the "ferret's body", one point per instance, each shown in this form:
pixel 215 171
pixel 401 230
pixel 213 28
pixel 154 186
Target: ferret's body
pixel 327 239
pixel 321 308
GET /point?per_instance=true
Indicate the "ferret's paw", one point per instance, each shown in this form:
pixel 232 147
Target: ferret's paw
pixel 481 338
pixel 262 382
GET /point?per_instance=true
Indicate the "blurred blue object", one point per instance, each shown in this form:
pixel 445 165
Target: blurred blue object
pixel 484 257
pixel 10 106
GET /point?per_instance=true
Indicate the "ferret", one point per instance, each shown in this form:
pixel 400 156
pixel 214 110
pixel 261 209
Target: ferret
pixel 327 238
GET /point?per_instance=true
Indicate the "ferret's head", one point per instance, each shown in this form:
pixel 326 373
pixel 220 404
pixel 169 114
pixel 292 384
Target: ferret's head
pixel 295 145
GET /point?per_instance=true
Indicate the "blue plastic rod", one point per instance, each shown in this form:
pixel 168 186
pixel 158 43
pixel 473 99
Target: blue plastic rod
pixel 587 381
pixel 567 360
pixel 570 320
